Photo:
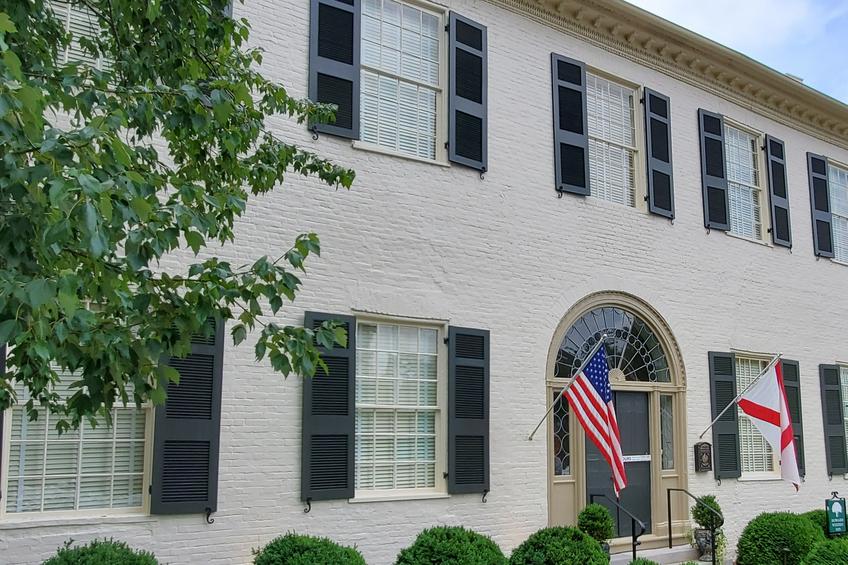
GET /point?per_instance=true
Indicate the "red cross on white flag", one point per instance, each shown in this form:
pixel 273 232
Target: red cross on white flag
pixel 766 405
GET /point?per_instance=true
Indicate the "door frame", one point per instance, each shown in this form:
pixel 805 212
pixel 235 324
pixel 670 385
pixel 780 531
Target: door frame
pixel 567 494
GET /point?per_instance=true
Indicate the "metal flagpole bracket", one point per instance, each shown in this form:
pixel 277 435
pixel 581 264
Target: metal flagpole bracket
pixel 566 387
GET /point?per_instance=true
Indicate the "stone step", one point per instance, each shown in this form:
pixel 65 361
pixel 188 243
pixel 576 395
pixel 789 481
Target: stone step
pixel 663 556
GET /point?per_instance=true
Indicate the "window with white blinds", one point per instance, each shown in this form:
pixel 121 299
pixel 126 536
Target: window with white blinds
pixel 757 456
pixel 94 467
pixel 843 379
pixel 838 185
pixel 612 140
pixel 743 182
pixel 396 407
pixel 80 22
pixel 401 77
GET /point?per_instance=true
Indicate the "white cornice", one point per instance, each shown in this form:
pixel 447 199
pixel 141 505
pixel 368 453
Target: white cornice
pixel 642 37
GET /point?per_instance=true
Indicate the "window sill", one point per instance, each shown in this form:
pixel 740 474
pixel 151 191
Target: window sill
pixel 760 479
pixel 374 148
pixel 396 496
pixel 66 519
pixel 748 239
pixel 839 262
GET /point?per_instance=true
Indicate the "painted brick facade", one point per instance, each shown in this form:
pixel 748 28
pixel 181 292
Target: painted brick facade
pixel 504 253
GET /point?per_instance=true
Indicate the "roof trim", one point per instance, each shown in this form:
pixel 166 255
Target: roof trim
pixel 642 37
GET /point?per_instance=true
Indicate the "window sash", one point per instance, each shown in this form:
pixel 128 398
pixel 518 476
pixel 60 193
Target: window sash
pixel 757 457
pixel 612 140
pixel 402 86
pixel 743 180
pixel 397 443
pixel 838 187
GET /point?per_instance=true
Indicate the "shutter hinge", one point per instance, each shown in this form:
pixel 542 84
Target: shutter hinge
pixel 445 475
pixel 447 144
pixel 446 340
pixel 447 27
pixel 150 489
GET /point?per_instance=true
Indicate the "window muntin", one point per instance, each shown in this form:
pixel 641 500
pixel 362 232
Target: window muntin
pixel 667 431
pixel 94 467
pixel 397 408
pixel 838 185
pixel 757 456
pixel 743 182
pixel 401 77
pixel 612 140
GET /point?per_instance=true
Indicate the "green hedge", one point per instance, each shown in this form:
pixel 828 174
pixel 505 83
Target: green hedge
pixel 451 545
pixel 643 561
pixel 294 549
pixel 101 552
pixel 559 546
pixel 818 517
pixel 764 538
pixel 828 552
pixel 596 521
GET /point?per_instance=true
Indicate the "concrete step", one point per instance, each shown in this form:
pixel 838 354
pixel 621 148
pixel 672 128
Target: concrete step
pixel 663 555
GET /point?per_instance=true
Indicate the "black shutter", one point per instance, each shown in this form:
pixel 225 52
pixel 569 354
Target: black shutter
pixel 187 431
pixel 792 386
pixel 781 231
pixel 468 95
pixel 713 175
pixel 334 62
pixel 727 464
pixel 658 131
pixel 327 462
pixel 820 205
pixel 834 425
pixel 571 127
pixel 468 410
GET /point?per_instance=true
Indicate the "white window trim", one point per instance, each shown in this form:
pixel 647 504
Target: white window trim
pixel 774 474
pixel 441 93
pixel 440 490
pixel 640 172
pixel 63 515
pixel 844 167
pixel 765 204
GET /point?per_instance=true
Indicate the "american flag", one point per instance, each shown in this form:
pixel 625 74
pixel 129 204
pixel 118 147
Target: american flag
pixel 590 398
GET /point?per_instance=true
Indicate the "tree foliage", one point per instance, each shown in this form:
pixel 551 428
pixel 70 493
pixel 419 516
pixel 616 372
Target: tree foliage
pixel 105 172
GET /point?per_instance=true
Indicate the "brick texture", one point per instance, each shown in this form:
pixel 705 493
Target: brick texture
pixel 504 253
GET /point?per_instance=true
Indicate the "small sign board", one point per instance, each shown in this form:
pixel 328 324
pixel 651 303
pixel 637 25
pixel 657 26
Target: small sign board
pixel 835 508
pixel 703 457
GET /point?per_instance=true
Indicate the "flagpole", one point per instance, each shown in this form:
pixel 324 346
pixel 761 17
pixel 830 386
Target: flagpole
pixel 738 396
pixel 568 386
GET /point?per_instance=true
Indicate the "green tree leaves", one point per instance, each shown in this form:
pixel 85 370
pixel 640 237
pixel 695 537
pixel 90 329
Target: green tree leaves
pixel 109 168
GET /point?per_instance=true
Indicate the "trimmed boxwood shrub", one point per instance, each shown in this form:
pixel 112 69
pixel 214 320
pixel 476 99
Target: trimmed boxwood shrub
pixel 702 515
pixel 819 518
pixel 643 561
pixel 559 546
pixel 295 549
pixel 101 552
pixel 764 538
pixel 452 545
pixel 596 521
pixel 828 552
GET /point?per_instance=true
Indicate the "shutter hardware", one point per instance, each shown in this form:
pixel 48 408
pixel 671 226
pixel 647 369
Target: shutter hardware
pixel 308 505
pixel 208 514
pixel 485 494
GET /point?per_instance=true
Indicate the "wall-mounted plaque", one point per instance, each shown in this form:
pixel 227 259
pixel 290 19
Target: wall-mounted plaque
pixel 703 457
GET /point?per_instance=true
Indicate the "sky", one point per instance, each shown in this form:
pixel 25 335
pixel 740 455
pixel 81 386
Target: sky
pixel 806 38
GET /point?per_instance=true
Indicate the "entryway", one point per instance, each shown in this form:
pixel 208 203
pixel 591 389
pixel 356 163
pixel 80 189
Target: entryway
pixel 649 391
pixel 631 409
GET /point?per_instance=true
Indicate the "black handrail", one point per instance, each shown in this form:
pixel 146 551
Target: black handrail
pixel 633 521
pixel 700 501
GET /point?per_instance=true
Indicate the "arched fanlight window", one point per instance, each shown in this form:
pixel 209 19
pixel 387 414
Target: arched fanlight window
pixel 633 351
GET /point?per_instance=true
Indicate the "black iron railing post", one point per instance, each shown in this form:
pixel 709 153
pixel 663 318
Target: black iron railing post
pixel 668 507
pixel 713 543
pixel 633 536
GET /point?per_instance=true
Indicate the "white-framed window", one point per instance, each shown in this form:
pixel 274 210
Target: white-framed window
pixel 80 22
pixel 612 139
pixel 398 411
pixel 838 185
pixel 401 93
pixel 745 195
pixel 92 469
pixel 758 460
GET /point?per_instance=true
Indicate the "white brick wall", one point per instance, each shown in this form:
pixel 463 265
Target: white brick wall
pixel 504 254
